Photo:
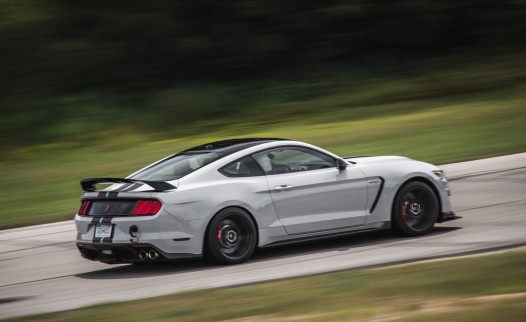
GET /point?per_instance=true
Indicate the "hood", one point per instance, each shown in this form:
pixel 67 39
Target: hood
pixel 374 160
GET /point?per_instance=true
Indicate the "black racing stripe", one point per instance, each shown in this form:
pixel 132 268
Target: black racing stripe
pixel 123 187
pixel 103 220
pixel 112 194
pixel 95 221
pixel 109 240
pixel 132 187
pixel 95 240
pixel 101 194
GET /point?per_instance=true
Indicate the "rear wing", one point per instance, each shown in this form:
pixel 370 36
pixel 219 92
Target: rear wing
pixel 90 185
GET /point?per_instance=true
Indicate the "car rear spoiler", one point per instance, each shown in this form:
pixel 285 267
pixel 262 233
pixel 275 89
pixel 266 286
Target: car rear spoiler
pixel 90 185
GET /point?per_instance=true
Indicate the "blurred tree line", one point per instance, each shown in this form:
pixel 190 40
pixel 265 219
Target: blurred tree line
pixel 72 67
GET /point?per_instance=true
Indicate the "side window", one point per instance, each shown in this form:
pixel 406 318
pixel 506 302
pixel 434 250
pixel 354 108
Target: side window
pixel 292 159
pixel 246 167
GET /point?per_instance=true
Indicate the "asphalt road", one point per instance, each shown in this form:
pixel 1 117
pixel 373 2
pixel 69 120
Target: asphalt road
pixel 41 270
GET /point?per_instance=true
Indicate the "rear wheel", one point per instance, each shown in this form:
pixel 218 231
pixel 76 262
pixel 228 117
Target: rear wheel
pixel 231 237
pixel 415 209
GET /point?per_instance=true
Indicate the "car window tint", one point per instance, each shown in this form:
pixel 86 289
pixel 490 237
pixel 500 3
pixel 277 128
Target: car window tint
pixel 292 159
pixel 177 166
pixel 246 167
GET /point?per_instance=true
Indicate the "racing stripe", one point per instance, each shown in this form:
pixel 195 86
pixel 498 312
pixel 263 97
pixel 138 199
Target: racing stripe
pixel 109 240
pixel 102 220
pixel 123 187
pixel 95 221
pixel 132 187
pixel 107 194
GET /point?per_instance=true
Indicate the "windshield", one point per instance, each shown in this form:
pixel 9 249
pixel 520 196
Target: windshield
pixel 178 166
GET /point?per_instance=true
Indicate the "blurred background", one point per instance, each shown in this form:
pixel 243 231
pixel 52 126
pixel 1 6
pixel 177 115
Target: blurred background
pixel 102 88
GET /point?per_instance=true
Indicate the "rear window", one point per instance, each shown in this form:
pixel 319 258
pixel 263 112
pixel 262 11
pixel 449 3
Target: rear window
pixel 178 166
pixel 183 163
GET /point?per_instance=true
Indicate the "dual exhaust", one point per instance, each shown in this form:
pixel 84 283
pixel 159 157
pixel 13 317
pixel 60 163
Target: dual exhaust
pixel 143 254
pixel 148 255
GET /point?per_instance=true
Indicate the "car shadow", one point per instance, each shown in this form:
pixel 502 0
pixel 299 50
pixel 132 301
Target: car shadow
pixel 148 269
pixel 342 243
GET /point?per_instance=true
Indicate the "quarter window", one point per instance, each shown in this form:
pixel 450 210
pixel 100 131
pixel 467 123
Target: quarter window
pixel 246 167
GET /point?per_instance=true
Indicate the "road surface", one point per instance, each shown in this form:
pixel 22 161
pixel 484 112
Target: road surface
pixel 41 270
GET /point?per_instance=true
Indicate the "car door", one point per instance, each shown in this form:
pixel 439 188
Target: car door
pixel 310 193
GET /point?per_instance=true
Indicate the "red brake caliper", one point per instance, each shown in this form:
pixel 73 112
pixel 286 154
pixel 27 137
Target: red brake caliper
pixel 218 232
pixel 404 213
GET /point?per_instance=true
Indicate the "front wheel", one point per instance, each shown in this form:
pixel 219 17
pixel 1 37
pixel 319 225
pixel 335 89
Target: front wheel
pixel 231 237
pixel 415 209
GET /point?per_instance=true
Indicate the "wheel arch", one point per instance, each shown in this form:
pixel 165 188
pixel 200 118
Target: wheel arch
pixel 423 180
pixel 217 212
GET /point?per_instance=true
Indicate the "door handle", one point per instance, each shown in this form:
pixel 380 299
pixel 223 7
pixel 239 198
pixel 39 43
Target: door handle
pixel 283 187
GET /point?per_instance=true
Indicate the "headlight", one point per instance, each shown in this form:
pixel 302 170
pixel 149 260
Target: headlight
pixel 440 174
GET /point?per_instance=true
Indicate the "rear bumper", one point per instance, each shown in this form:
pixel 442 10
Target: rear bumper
pixel 448 216
pixel 126 253
pixel 171 238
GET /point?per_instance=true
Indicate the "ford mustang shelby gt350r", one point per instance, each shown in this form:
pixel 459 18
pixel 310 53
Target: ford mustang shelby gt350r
pixel 224 199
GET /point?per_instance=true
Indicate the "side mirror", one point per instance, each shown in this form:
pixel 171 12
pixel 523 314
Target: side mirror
pixel 340 164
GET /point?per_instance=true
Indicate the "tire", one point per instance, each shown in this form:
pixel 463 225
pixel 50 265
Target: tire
pixel 415 209
pixel 231 237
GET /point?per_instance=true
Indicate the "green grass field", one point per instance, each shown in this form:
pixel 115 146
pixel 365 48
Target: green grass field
pixel 479 288
pixel 441 117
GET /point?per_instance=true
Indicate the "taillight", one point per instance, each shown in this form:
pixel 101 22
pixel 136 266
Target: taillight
pixel 146 207
pixel 85 207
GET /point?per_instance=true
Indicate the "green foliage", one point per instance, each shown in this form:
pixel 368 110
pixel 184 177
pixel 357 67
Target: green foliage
pixel 100 88
pixel 97 64
pixel 42 183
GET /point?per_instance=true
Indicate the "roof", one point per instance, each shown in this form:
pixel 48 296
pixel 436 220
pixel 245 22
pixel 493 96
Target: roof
pixel 232 145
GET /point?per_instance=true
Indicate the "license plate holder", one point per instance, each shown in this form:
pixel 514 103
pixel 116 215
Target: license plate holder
pixel 103 230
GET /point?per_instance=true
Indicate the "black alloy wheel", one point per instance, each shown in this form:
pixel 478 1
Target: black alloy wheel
pixel 231 237
pixel 415 209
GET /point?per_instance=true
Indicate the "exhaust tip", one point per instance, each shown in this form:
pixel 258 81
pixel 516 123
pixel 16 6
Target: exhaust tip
pixel 153 254
pixel 143 255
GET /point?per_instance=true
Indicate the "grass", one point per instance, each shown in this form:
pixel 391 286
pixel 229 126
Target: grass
pixel 480 288
pixel 452 115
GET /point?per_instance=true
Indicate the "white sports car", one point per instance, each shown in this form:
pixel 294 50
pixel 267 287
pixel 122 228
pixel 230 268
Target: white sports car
pixel 224 199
